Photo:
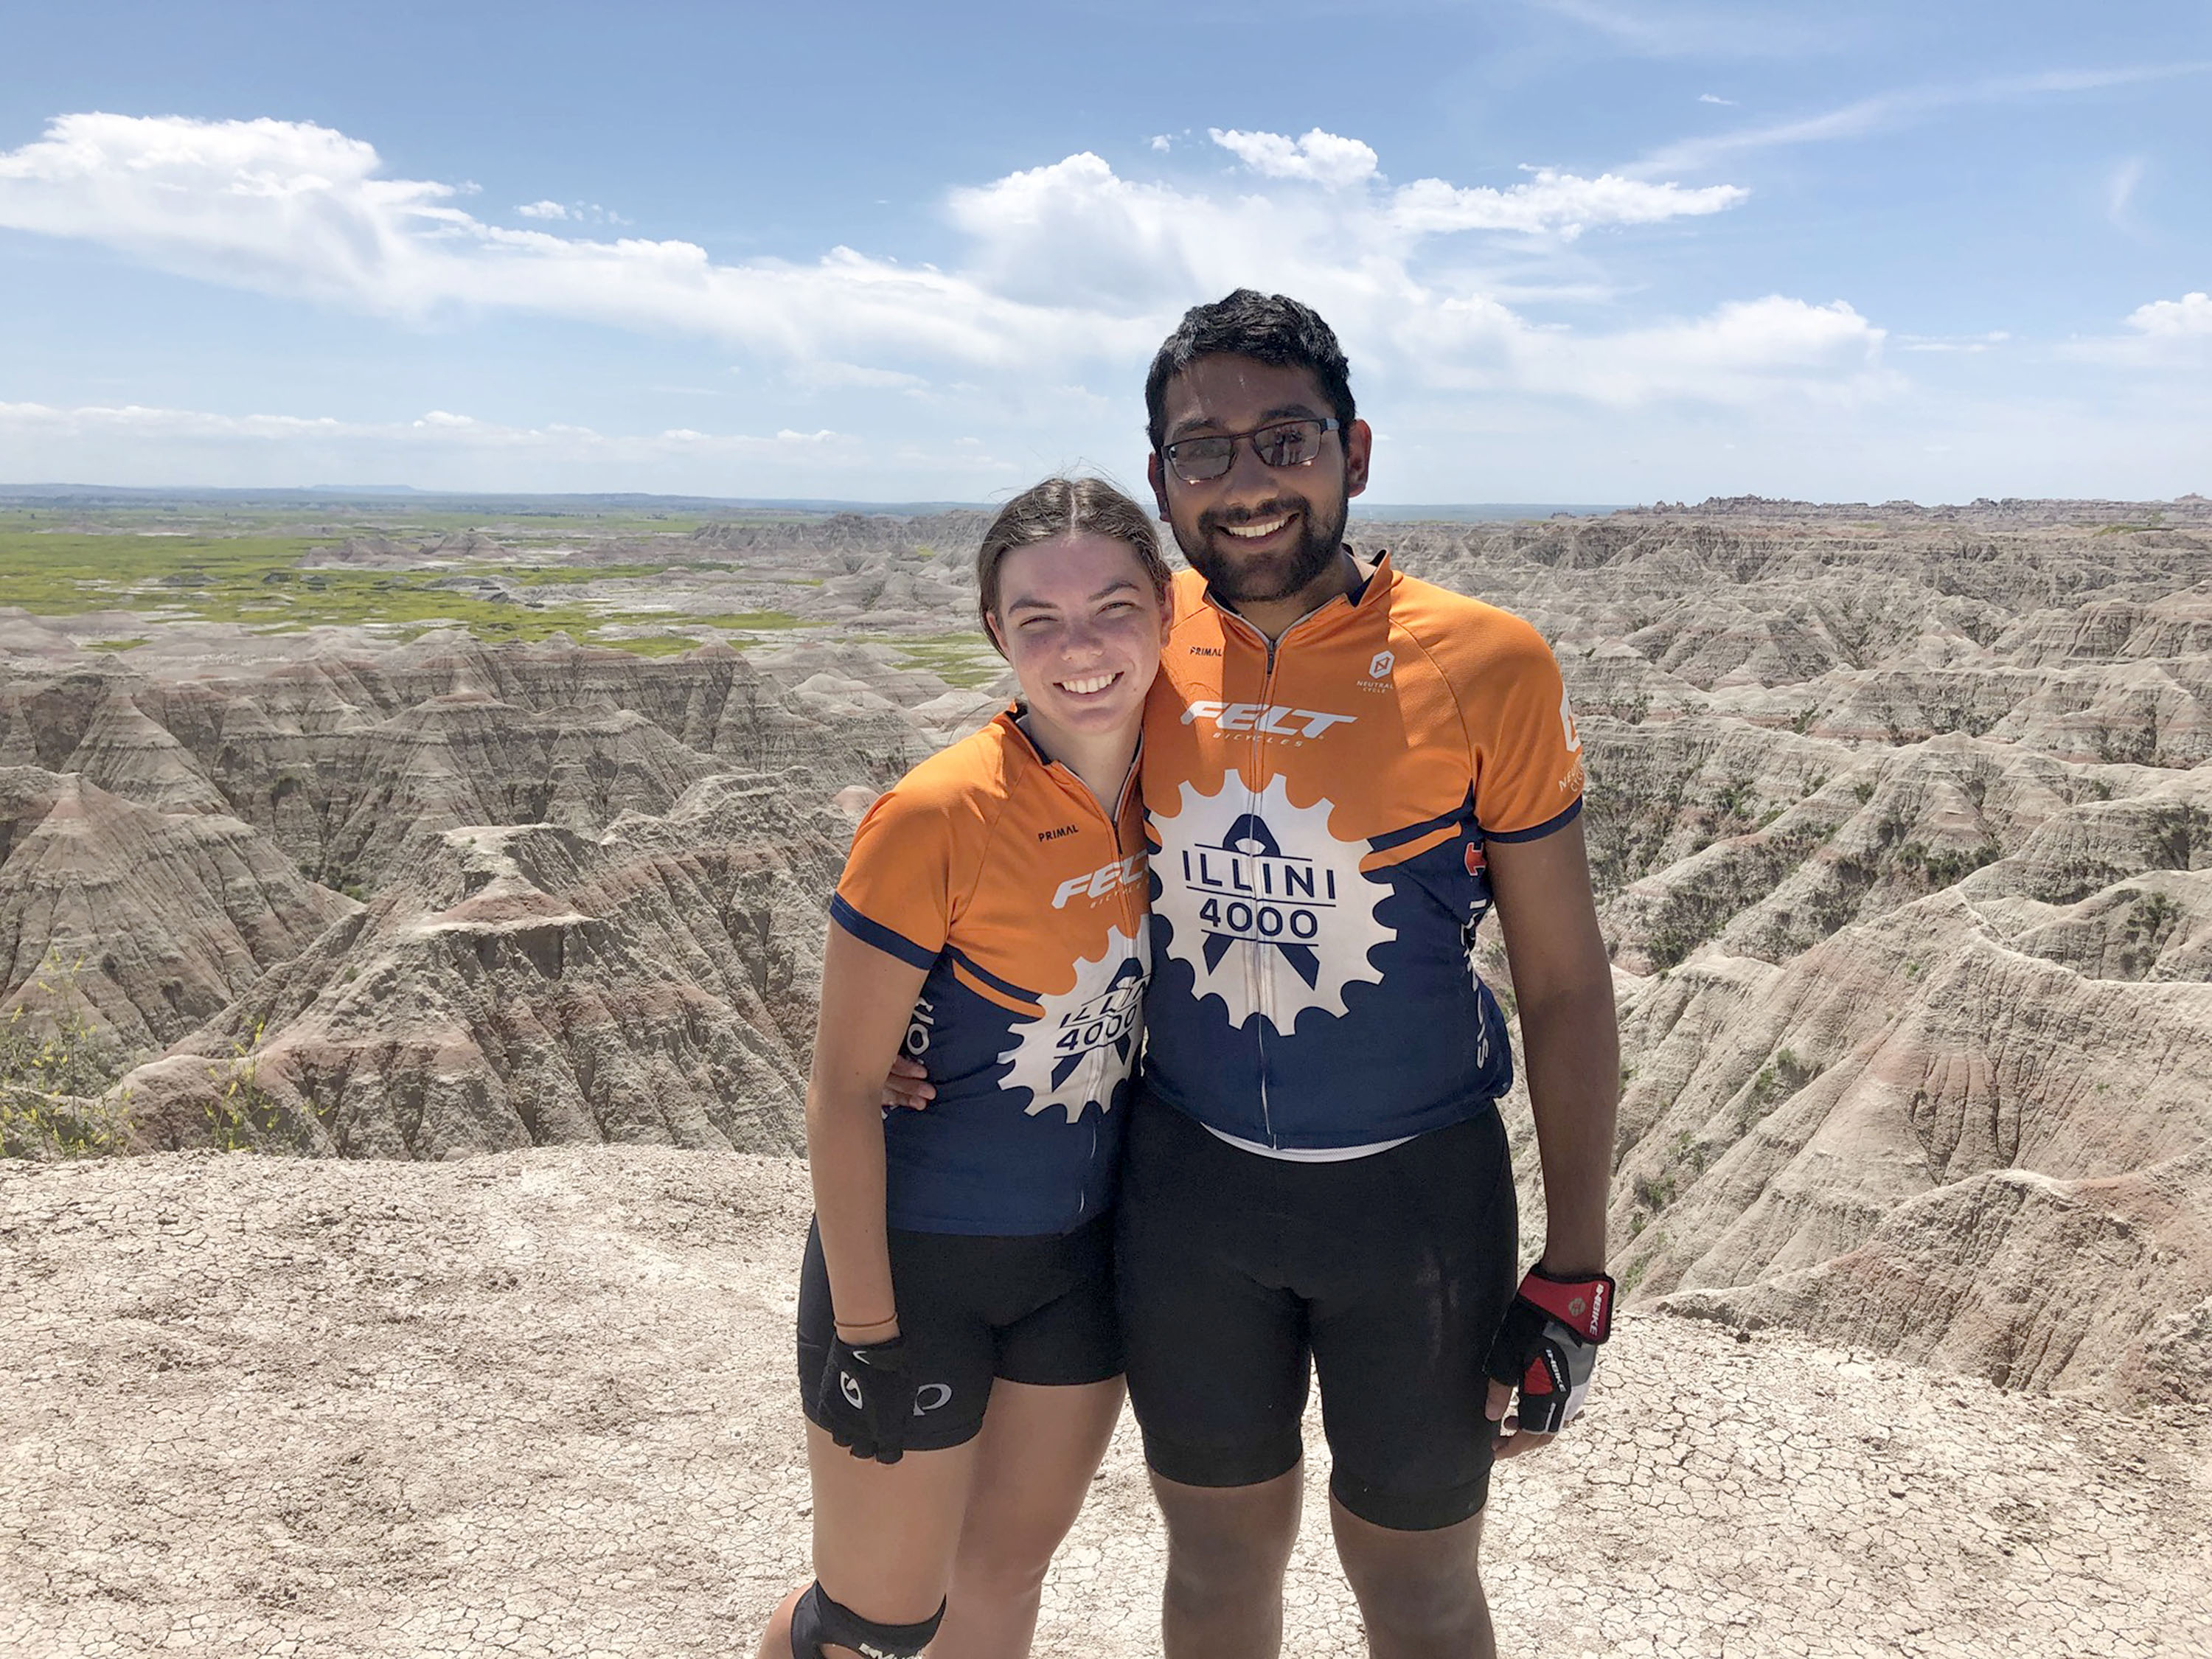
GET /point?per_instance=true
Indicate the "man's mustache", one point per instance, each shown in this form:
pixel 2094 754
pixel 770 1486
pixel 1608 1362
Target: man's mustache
pixel 1248 515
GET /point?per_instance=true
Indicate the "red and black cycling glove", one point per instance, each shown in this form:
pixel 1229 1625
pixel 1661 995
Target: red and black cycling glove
pixel 1547 1347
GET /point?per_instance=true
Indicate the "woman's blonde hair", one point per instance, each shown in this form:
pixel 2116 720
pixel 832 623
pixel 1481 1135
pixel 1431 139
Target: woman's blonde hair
pixel 1059 507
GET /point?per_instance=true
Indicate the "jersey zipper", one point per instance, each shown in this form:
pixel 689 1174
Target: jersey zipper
pixel 1262 999
pixel 1259 978
pixel 1096 1062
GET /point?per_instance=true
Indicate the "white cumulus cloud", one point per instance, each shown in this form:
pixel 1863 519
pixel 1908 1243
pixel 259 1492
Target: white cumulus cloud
pixel 1742 352
pixel 1062 264
pixel 543 210
pixel 295 209
pixel 1558 202
pixel 2188 318
pixel 1320 157
pixel 2163 334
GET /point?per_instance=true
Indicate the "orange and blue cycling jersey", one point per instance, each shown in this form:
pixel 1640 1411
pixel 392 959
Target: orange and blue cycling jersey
pixel 1317 811
pixel 1000 873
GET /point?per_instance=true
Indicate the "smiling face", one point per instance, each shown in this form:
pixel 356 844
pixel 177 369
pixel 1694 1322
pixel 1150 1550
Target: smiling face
pixel 1083 625
pixel 1259 535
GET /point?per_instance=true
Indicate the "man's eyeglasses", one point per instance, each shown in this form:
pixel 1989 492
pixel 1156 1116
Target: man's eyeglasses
pixel 1281 444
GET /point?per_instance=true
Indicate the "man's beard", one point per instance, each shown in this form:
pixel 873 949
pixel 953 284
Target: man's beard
pixel 1235 581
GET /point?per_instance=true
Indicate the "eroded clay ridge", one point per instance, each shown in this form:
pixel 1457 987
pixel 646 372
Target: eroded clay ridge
pixel 1900 819
pixel 542 1403
pixel 441 898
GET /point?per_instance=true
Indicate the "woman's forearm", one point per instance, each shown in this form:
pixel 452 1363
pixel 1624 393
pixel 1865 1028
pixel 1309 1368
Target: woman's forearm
pixel 845 1155
pixel 867 998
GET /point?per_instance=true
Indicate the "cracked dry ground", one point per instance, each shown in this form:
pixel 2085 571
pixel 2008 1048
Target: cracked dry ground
pixel 541 1404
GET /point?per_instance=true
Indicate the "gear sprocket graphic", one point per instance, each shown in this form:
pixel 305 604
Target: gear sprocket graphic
pixel 1269 908
pixel 1087 1038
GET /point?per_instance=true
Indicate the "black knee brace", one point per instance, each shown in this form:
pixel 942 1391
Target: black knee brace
pixel 817 1619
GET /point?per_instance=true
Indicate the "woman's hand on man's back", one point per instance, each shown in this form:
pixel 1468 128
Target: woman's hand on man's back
pixel 908 1084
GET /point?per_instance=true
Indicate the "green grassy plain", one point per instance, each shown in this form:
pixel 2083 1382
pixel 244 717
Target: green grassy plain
pixel 966 660
pixel 234 567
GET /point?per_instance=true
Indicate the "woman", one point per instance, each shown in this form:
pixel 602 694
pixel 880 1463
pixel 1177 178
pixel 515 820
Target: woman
pixel 959 1361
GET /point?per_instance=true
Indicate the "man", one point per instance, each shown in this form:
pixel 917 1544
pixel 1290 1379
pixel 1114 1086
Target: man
pixel 1344 769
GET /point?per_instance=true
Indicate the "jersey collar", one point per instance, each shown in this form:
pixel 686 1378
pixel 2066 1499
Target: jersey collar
pixel 1010 718
pixel 1376 584
pixel 1382 573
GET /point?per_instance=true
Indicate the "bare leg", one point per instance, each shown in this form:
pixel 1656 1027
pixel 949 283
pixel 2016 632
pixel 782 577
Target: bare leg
pixel 1228 1547
pixel 884 1534
pixel 1420 1592
pixel 1039 1447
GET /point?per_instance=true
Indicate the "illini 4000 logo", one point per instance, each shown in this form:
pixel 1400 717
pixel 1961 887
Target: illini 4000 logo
pixel 1268 908
pixel 1078 1052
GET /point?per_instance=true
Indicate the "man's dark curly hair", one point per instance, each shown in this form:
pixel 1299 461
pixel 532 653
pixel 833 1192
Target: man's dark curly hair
pixel 1269 328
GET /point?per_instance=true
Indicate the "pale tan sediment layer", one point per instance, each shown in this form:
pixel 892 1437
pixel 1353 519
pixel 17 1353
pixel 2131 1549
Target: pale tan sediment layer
pixel 541 1403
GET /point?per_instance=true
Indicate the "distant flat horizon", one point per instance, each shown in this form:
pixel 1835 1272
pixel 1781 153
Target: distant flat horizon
pixel 395 495
pixel 392 496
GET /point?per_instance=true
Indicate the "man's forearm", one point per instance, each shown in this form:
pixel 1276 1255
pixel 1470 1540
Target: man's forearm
pixel 1572 1050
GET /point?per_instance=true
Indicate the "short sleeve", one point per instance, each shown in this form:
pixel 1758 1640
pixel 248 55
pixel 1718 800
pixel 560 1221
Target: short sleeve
pixel 896 891
pixel 1528 753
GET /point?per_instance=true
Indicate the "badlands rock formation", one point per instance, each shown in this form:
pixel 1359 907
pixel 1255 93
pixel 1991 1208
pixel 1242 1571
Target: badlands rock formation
pixel 874 571
pixel 513 985
pixel 151 920
pixel 1906 853
pixel 588 891
pixel 1900 818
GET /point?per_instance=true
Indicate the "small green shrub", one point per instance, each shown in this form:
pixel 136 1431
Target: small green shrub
pixel 1737 798
pixel 244 1117
pixel 55 1066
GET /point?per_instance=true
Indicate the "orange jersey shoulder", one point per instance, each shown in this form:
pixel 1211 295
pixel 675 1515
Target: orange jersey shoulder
pixel 1524 747
pixel 988 851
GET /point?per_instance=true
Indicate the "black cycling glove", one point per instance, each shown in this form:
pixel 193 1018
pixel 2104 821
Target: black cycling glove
pixel 865 1398
pixel 1548 1345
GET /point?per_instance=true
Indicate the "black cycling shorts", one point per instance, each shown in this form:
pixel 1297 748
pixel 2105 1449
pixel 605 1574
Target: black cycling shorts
pixel 1391 1272
pixel 1030 1308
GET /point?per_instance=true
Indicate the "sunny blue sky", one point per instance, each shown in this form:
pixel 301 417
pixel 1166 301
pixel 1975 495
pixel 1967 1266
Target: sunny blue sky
pixel 1577 250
